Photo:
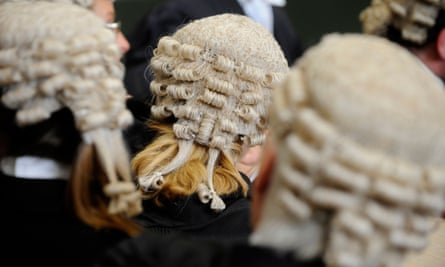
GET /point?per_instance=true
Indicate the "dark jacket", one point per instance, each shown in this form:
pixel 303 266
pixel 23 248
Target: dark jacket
pixel 39 230
pixel 151 250
pixel 38 226
pixel 189 215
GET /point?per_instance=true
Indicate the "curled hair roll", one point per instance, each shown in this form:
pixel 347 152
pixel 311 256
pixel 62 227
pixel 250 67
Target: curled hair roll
pixel 220 86
pixel 169 46
pixel 224 64
pixel 213 99
pixel 50 49
pixel 190 52
pixel 158 89
pixel 188 75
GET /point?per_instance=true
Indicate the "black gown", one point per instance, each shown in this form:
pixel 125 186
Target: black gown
pixel 39 230
pixel 152 250
pixel 189 215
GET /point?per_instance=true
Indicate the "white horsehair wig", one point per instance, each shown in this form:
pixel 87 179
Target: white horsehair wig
pixel 215 76
pixel 360 150
pixel 413 18
pixel 67 58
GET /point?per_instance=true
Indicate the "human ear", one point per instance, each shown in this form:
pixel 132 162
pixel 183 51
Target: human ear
pixel 440 44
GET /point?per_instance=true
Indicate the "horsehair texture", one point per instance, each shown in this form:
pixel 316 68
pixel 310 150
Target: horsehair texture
pixel 413 18
pixel 359 149
pixel 215 76
pixel 67 62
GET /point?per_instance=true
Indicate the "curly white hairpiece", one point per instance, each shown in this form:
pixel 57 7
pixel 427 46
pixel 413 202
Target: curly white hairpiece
pixel 360 155
pixel 69 62
pixel 412 17
pixel 215 76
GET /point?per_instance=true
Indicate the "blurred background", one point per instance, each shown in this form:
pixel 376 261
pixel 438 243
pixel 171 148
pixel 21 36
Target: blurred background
pixel 311 19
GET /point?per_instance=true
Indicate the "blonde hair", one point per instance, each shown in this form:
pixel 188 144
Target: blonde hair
pixel 186 179
pixel 215 76
pixel 75 63
pixel 360 152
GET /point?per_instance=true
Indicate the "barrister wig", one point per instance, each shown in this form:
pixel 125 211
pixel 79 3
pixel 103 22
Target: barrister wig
pixel 360 154
pixel 55 56
pixel 410 21
pixel 214 78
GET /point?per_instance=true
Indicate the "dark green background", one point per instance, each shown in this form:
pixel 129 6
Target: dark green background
pixel 311 18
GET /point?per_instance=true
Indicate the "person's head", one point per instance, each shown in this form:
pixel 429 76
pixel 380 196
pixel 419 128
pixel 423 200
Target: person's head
pixel 417 25
pixel 359 167
pixel 71 66
pixel 213 82
pixel 104 9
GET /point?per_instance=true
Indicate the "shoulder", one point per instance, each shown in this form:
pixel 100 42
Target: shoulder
pixel 150 249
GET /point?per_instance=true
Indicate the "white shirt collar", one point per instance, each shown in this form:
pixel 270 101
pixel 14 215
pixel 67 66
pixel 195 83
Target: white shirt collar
pixel 280 3
pixel 30 167
pixel 260 11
